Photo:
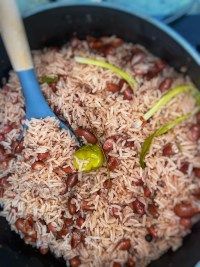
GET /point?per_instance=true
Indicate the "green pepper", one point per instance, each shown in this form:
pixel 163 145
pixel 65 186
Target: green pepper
pixel 160 131
pixel 88 158
pixel 101 63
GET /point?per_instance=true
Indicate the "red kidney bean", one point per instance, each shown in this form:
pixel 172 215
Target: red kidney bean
pixel 194 132
pixel 90 137
pixel 185 210
pixel 107 184
pixel 43 156
pixel 147 192
pixel 43 250
pixel 158 67
pixel 152 231
pixel 112 87
pixel 63 232
pixel 138 57
pixel 121 83
pixel 165 84
pixel 94 43
pixel 99 45
pixel 117 42
pixel 130 263
pixel 68 169
pixel 71 207
pixel 76 239
pixel 37 165
pixel 8 127
pixel 72 180
pixel 138 207
pixel 128 94
pixel 106 47
pixel 153 210
pixel 124 244
pixel 51 228
pixel 152 73
pixel 196 172
pixel 68 222
pixel 85 206
pixel 198 117
pixel 113 163
pixel 167 150
pixel 184 167
pixel 186 223
pixel 75 261
pixel 116 264
pixel 26 226
pixel 108 144
pixel 139 182
pixel 17 146
pixel 80 221
pixel 2 137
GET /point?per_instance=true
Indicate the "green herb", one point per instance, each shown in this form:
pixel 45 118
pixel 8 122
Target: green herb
pixel 101 63
pixel 166 98
pixel 88 158
pixel 160 131
pixel 48 79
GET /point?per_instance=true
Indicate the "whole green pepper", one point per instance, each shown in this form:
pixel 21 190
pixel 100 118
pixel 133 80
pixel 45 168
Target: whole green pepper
pixel 88 158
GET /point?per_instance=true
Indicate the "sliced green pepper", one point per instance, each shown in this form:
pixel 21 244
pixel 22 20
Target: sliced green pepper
pixel 101 63
pixel 160 131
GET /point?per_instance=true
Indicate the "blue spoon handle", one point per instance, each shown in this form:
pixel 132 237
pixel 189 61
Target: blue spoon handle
pixel 36 105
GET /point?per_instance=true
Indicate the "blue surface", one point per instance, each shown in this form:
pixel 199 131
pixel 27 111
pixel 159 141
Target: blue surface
pixel 167 10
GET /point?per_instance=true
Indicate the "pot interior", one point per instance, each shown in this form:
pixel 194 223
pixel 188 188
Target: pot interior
pixel 55 26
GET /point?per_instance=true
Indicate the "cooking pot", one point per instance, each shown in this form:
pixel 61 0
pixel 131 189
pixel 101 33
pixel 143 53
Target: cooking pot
pixel 53 26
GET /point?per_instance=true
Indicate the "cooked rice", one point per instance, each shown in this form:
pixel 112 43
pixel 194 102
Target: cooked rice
pixel 83 100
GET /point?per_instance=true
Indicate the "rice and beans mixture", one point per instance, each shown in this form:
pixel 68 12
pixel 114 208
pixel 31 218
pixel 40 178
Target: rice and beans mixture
pixel 119 214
